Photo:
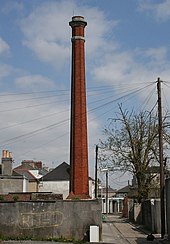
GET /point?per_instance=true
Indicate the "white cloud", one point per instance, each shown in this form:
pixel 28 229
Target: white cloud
pixel 161 11
pixel 115 67
pixel 47 32
pixel 51 145
pixel 5 70
pixel 47 145
pixel 4 47
pixel 34 83
pixel 157 54
pixel 139 65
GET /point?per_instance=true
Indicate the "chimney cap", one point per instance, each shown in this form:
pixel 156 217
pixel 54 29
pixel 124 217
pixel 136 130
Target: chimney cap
pixel 77 20
pixel 77 17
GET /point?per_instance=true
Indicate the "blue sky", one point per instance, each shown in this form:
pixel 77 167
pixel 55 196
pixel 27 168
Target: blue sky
pixel 127 48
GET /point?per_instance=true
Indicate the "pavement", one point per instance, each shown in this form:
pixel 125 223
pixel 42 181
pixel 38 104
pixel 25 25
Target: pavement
pixel 115 230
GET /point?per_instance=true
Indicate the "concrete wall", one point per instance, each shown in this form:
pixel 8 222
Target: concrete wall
pixel 67 219
pixel 146 214
pixel 32 186
pixel 156 215
pixel 13 185
pixel 151 215
pixel 167 184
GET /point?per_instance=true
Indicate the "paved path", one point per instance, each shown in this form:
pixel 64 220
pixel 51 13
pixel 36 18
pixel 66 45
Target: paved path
pixel 118 231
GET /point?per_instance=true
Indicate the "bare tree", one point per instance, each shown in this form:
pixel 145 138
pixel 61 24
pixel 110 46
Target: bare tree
pixel 131 145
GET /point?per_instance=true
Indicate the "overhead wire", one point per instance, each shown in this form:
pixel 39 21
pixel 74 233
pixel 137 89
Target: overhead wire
pixel 121 97
pixel 30 99
pixel 56 124
pixel 33 120
pixel 45 144
pixel 30 93
pixel 37 105
pixel 147 100
pixel 68 90
pixel 166 98
pixel 6 127
pixel 30 106
pixel 46 116
pixel 29 134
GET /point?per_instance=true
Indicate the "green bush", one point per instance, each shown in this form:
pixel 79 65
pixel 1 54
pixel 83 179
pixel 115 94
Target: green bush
pixel 15 198
pixel 1 198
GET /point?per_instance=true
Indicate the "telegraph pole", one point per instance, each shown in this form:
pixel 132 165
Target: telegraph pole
pixel 96 171
pixel 162 179
pixel 107 191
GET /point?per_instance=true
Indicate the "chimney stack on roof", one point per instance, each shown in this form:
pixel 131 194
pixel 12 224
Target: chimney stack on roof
pixel 6 162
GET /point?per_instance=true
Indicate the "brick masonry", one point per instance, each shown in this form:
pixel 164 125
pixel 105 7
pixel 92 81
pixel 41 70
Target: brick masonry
pixel 78 138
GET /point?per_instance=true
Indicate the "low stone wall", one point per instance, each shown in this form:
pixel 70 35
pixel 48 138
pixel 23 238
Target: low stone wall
pixel 43 219
pixel 30 196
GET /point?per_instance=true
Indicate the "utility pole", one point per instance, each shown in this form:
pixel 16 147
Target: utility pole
pixel 162 179
pixel 96 171
pixel 107 191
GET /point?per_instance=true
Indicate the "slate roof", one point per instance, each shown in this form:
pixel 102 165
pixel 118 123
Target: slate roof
pixel 61 172
pixel 110 190
pixel 25 173
pixel 21 167
pixel 125 189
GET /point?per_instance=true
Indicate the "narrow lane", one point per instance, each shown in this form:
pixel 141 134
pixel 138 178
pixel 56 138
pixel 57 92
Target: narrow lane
pixel 118 230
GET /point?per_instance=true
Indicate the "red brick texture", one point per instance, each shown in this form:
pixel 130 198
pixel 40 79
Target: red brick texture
pixel 79 184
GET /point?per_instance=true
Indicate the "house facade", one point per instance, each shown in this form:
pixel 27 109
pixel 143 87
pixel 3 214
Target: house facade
pixel 32 171
pixel 112 199
pixel 57 181
pixel 8 181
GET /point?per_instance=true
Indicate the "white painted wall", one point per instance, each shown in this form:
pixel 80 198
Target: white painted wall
pixel 57 187
pixel 35 173
pixel 61 187
pixel 92 189
pixel 25 185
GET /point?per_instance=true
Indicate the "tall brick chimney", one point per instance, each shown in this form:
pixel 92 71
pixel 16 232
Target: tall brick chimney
pixel 79 182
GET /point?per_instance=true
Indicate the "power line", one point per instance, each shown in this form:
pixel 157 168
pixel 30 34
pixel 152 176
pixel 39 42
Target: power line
pixel 30 106
pixel 61 122
pixel 32 120
pixel 29 134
